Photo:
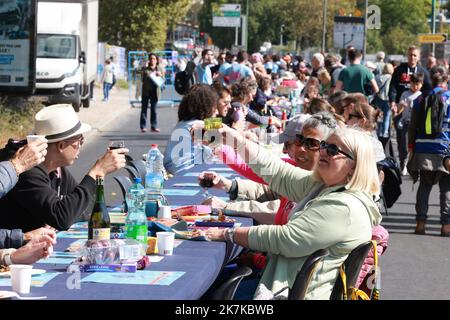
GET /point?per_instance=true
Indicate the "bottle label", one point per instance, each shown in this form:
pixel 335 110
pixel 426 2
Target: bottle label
pixel 101 233
pixel 138 232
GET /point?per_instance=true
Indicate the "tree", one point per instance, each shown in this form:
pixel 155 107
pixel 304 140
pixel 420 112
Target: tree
pixel 139 23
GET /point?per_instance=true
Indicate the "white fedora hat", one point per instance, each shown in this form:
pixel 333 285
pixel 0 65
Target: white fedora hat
pixel 59 122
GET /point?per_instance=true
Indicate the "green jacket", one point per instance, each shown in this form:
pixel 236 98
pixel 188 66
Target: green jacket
pixel 335 220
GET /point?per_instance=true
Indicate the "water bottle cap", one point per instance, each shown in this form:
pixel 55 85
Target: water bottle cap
pixel 137 180
pixel 154 145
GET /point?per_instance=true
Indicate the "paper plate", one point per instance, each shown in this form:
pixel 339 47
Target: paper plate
pixel 33 273
pixel 7 294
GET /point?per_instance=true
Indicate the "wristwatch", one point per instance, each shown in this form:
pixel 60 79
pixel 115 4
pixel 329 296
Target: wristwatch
pixel 229 234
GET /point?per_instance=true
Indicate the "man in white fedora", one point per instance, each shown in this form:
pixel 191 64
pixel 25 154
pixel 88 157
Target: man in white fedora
pixel 48 193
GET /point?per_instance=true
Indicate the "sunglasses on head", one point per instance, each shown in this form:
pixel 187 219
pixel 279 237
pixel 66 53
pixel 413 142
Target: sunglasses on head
pixel 309 143
pixel 333 149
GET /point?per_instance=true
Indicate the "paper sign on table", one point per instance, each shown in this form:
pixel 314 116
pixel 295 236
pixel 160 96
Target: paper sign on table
pixel 38 280
pixel 60 258
pixel 186 184
pixel 161 278
pixel 179 192
pixel 77 234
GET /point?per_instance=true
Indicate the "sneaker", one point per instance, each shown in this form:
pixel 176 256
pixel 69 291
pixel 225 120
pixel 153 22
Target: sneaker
pixel 105 100
pixel 155 130
pixel 144 130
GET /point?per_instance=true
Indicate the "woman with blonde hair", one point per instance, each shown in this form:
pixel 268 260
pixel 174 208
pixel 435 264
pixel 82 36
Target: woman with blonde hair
pixel 335 211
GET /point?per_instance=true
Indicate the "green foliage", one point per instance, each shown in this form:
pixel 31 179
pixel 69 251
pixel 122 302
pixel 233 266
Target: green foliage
pixel 17 118
pixel 139 23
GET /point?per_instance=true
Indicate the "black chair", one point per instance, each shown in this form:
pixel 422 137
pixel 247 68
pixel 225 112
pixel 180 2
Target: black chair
pixel 124 184
pixel 132 171
pixel 227 289
pixel 128 159
pixel 139 165
pixel 352 267
pixel 304 276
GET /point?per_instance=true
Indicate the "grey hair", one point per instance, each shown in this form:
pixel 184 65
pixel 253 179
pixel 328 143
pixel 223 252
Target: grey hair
pixel 323 121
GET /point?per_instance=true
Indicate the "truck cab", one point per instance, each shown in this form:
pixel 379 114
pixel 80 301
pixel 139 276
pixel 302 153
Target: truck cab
pixel 66 61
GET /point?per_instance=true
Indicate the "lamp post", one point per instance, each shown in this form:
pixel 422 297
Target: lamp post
pixel 281 34
pixel 324 33
pixel 246 26
pixel 433 22
pixel 365 29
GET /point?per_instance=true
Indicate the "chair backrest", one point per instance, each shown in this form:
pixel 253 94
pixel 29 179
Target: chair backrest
pixel 352 266
pixel 227 289
pixel 132 171
pixel 139 165
pixel 128 159
pixel 124 184
pixel 301 283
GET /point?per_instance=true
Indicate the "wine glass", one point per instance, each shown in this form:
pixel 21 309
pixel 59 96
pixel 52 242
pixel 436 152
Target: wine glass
pixel 206 180
pixel 116 144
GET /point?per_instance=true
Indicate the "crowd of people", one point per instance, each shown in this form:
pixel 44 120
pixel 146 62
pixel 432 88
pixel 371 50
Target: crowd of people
pixel 333 118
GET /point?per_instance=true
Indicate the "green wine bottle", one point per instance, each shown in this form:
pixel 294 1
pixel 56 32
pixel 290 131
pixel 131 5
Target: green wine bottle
pixel 99 222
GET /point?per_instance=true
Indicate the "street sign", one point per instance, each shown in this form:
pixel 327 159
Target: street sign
pixel 227 15
pixel 348 31
pixel 433 38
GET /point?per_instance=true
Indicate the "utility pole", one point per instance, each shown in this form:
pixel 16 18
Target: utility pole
pixel 281 34
pixel 365 29
pixel 433 22
pixel 246 27
pixel 324 34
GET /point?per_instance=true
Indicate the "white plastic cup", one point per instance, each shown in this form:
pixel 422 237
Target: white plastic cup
pixel 21 277
pixel 34 137
pixel 165 242
pixel 164 212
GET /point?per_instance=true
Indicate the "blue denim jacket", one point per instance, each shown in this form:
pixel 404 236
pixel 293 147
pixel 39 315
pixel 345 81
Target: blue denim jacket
pixel 8 177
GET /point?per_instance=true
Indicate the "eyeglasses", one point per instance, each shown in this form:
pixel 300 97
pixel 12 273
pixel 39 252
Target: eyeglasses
pixel 309 143
pixel 333 150
pixel 357 116
pixel 80 140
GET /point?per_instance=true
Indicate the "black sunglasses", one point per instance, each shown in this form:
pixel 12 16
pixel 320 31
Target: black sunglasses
pixel 333 149
pixel 309 143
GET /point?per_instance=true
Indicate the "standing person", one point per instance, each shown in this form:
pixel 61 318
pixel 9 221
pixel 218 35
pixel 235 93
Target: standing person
pixel 151 92
pixel 381 101
pixel 355 77
pixel 239 70
pixel 380 63
pixel 53 196
pixel 203 70
pixel 107 80
pixel 114 71
pixel 426 160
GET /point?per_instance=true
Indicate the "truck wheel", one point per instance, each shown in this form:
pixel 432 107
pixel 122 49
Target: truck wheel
pixel 76 106
pixel 86 103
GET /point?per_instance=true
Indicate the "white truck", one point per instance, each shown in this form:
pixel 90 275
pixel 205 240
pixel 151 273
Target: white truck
pixel 67 41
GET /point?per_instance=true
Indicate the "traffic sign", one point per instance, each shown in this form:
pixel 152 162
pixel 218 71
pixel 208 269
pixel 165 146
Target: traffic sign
pixel 433 38
pixel 226 15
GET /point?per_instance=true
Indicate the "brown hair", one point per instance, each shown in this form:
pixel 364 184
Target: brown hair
pixel 198 103
pixel 240 89
pixel 367 112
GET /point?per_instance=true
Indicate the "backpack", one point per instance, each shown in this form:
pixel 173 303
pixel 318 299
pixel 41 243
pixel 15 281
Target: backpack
pixel 184 79
pixel 430 115
pixel 392 180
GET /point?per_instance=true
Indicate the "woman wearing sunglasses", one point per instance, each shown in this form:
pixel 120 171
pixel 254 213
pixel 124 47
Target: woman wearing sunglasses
pixel 339 216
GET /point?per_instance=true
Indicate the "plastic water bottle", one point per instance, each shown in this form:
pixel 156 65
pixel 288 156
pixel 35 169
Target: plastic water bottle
pixel 136 220
pixel 154 180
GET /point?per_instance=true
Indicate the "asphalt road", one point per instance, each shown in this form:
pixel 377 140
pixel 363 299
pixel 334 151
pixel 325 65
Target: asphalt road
pixel 413 266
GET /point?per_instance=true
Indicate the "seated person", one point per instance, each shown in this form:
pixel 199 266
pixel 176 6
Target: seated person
pixel 338 217
pixel 39 242
pixel 48 194
pixel 181 152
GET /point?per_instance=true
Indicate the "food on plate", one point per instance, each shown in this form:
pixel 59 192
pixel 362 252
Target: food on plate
pixel 220 218
pixel 191 233
pixel 195 210
pixel 4 269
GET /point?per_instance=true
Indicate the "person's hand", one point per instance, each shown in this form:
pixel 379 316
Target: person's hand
pixel 230 136
pixel 38 248
pixel 447 164
pixel 30 155
pixel 47 230
pixel 276 122
pixel 215 203
pixel 215 234
pixel 394 108
pixel 111 161
pixel 250 135
pixel 219 182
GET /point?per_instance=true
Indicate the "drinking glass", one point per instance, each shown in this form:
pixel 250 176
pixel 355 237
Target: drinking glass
pixel 206 181
pixel 116 144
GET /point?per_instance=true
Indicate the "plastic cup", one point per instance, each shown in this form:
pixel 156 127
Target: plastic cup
pixel 164 212
pixel 165 241
pixel 21 277
pixel 34 137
